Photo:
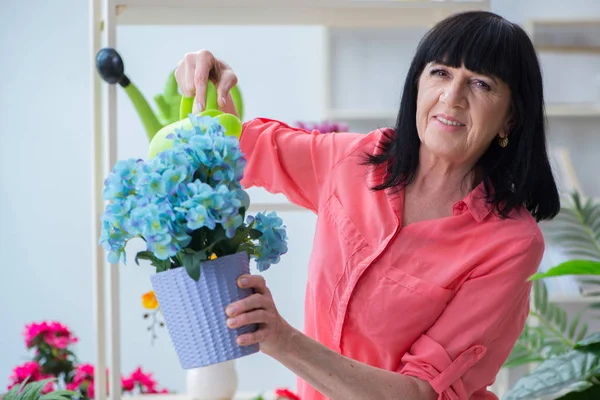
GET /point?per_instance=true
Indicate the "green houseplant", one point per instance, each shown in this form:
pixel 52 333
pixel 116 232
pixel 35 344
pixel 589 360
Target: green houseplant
pixel 568 357
pixel 33 391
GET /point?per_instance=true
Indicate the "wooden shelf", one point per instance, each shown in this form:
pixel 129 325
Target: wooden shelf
pixel 562 299
pixel 573 110
pixel 565 35
pixel 552 110
pixel 340 13
pixel 362 115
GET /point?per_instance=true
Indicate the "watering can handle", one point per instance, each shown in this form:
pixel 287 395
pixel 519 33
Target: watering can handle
pixel 187 103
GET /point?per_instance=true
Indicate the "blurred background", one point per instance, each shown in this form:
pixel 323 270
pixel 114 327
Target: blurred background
pixel 292 73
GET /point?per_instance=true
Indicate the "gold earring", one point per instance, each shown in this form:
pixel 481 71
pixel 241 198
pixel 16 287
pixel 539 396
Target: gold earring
pixel 503 141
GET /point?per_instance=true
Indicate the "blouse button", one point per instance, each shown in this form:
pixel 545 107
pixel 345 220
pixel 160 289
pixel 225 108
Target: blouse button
pixel 460 206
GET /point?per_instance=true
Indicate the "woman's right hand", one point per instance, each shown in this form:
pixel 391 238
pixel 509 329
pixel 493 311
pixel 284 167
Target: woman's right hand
pixel 193 73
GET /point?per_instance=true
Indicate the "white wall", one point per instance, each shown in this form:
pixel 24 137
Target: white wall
pixel 45 168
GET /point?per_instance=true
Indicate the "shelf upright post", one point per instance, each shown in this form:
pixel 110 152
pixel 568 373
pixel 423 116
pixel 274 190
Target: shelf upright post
pixel 98 287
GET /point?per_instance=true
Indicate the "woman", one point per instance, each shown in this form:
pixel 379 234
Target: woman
pixel 426 233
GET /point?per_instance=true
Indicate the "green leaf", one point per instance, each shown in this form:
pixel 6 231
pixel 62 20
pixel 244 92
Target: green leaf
pixel 573 326
pixel 33 390
pixel 216 241
pixel 255 233
pixel 563 320
pixel 591 340
pixel 576 228
pixel 161 265
pixel 13 393
pixel 192 263
pixel 572 267
pixel 144 255
pixel 588 392
pixel 543 297
pixel 248 248
pixel 556 374
pixel 582 333
pixel 59 395
pixel 522 360
pixel 193 270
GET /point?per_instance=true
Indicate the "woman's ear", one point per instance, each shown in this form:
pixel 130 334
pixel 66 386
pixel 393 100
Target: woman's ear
pixel 507 128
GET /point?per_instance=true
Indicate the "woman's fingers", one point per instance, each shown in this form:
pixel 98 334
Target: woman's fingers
pixel 204 65
pixel 253 302
pixel 254 337
pixel 256 282
pixel 192 75
pixel 251 317
pixel 227 80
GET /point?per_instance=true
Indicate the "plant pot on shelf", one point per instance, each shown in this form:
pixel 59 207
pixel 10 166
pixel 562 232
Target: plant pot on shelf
pixel 194 311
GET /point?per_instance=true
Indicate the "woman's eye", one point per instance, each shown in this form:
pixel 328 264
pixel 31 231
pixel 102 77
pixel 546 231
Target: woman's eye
pixel 438 72
pixel 482 85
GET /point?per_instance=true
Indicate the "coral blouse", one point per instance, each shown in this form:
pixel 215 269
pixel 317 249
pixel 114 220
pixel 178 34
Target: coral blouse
pixel 441 300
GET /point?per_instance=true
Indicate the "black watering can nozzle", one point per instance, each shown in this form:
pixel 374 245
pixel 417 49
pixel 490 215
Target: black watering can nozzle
pixel 110 67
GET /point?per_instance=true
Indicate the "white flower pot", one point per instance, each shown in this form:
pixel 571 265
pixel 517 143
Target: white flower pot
pixel 214 382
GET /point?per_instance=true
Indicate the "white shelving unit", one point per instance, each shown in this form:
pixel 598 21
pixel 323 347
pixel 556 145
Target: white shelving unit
pixel 334 13
pixel 565 35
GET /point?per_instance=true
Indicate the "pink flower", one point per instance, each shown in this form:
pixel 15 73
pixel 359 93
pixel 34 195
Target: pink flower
pixel 146 382
pixel 31 370
pixel 83 372
pixel 54 334
pixel 83 380
pixel 323 127
pixel 286 394
pixel 128 384
pixel 90 391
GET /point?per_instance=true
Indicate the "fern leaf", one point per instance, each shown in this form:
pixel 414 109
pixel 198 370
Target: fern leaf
pixel 582 333
pixel 573 326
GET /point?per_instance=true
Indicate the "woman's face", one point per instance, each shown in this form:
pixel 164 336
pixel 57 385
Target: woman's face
pixel 460 112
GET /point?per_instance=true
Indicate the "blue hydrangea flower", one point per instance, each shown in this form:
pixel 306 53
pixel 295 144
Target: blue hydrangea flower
pixel 272 244
pixel 192 185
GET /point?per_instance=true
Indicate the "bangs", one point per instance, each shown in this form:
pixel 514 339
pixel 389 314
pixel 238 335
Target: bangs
pixel 483 43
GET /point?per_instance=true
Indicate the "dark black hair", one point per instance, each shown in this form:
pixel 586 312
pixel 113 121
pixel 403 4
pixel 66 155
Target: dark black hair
pixel 483 42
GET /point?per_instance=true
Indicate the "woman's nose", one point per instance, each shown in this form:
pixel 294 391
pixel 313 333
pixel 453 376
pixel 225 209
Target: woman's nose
pixel 453 95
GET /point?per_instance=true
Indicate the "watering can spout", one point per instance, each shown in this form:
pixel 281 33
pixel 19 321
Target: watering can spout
pixel 151 124
pixel 109 65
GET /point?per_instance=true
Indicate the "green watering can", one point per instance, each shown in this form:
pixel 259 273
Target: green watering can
pixel 172 107
pixel 231 123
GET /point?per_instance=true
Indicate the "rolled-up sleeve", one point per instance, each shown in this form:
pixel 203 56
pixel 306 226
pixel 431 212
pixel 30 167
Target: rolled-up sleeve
pixel 463 351
pixel 292 161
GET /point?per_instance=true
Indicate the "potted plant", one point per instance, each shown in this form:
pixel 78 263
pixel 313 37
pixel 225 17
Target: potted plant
pixel 569 359
pixel 188 206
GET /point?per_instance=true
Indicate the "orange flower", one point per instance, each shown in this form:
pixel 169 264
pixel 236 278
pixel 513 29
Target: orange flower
pixel 149 300
pixel 212 256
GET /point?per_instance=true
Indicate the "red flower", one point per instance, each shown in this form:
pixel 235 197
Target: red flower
pixel 31 370
pixel 83 380
pixel 145 381
pixel 128 384
pixel 54 334
pixel 286 394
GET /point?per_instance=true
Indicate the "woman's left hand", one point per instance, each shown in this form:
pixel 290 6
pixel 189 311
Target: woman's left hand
pixel 258 308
